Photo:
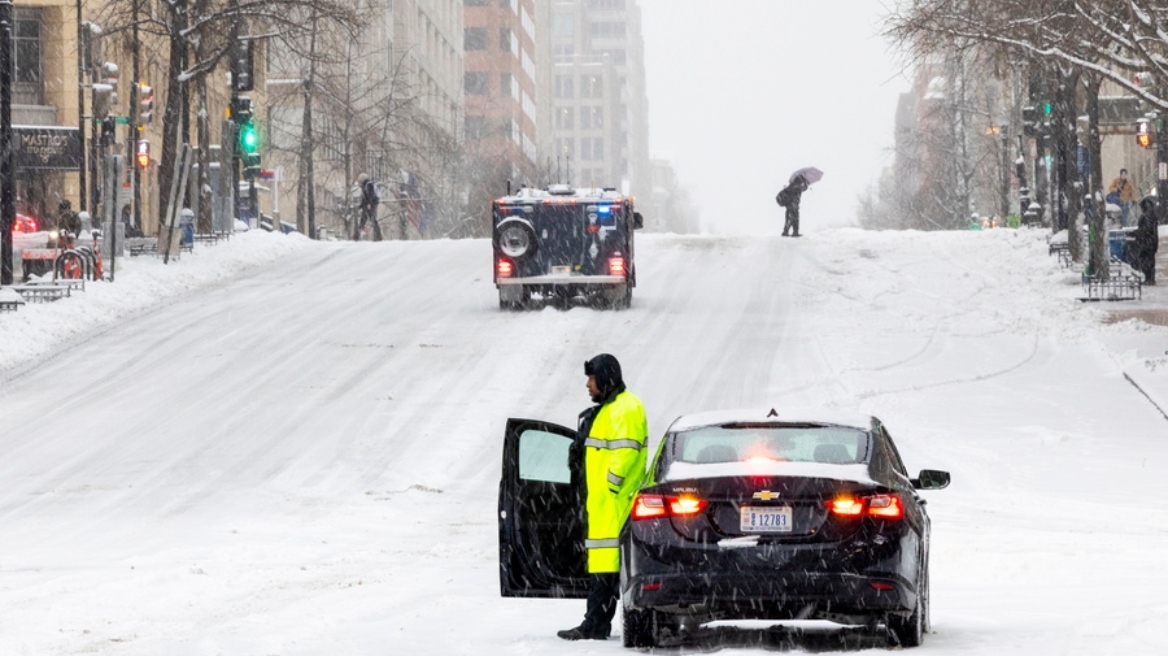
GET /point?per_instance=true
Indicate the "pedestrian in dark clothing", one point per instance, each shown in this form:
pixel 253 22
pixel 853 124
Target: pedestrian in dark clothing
pixel 370 199
pixel 613 434
pixel 1147 241
pixel 789 198
pixel 67 219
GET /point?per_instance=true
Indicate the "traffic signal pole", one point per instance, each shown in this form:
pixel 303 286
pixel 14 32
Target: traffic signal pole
pixel 7 160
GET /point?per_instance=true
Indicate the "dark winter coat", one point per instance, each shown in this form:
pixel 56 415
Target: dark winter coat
pixel 791 194
pixel 370 199
pixel 1147 238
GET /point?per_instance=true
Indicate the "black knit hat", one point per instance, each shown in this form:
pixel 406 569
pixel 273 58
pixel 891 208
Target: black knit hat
pixel 605 369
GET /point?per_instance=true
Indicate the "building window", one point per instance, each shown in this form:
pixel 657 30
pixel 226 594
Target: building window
pixel 592 86
pixel 504 38
pixel 505 85
pixel 564 50
pixel 565 118
pixel 607 30
pixel 474 38
pixel 606 4
pixel 591 118
pixel 591 149
pixel 565 86
pixel 565 147
pixel 474 84
pixel 475 3
pixel 475 127
pixel 563 25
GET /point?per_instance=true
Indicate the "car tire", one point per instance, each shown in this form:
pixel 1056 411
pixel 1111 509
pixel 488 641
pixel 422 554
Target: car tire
pixel 639 628
pixel 910 631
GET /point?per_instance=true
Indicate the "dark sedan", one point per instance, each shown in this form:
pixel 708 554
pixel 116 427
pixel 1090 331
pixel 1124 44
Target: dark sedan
pixel 744 515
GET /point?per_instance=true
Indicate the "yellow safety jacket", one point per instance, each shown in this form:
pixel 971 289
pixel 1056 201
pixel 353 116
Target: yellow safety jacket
pixel 614 466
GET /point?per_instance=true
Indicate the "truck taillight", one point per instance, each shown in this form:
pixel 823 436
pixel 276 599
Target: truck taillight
pixel 504 268
pixel 616 266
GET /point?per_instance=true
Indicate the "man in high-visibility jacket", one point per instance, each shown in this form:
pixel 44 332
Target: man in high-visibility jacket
pixel 613 433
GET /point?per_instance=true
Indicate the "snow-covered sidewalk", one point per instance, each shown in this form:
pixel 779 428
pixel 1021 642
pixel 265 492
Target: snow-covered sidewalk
pixel 141 283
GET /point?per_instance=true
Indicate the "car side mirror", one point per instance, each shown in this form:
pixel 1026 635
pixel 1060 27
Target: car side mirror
pixel 931 479
pixel 638 221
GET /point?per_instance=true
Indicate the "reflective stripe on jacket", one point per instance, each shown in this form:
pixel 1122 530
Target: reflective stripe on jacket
pixel 614 466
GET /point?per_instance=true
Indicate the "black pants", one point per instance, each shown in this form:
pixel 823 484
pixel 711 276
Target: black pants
pixel 792 224
pixel 602 598
pixel 369 215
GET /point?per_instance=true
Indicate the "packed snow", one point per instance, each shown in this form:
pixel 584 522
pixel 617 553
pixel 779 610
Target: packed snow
pixel 280 446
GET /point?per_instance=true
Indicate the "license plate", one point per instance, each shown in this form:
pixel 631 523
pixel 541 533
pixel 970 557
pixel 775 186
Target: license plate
pixel 770 519
pixel 561 270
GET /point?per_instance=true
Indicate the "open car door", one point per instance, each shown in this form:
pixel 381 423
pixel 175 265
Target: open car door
pixel 541 513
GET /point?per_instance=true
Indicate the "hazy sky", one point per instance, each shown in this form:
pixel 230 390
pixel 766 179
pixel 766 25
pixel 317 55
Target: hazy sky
pixel 743 92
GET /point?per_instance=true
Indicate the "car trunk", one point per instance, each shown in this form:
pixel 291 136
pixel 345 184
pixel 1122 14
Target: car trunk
pixel 764 509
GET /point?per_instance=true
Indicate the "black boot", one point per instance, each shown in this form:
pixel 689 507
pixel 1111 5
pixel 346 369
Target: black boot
pixel 584 633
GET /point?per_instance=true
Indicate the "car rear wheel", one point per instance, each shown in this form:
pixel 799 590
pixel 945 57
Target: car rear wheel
pixel 642 628
pixel 910 631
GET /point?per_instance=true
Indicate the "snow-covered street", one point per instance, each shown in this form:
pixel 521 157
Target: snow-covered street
pixel 278 446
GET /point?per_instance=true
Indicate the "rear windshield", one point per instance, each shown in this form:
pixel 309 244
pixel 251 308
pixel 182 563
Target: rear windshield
pixel 743 443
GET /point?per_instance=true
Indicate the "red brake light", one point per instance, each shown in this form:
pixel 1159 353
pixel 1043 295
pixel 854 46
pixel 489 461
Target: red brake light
pixel 616 266
pixel 886 506
pixel 504 268
pixel 652 506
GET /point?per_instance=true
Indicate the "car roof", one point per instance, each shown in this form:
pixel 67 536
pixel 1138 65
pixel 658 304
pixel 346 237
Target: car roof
pixel 808 415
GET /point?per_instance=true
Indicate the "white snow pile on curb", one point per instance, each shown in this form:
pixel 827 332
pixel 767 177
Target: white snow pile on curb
pixel 140 283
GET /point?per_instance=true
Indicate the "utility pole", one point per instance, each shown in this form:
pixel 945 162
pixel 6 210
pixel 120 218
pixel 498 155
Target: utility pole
pixel 7 161
pixel 83 49
pixel 1162 168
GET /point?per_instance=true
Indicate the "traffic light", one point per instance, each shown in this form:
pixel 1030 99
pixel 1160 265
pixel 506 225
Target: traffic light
pixel 1029 121
pixel 143 156
pixel 1145 133
pixel 105 92
pixel 103 100
pixel 241 110
pixel 251 168
pixel 241 58
pixel 249 139
pixel 145 105
pixel 108 131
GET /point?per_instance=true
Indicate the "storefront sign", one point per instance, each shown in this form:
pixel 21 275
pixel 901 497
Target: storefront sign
pixel 57 149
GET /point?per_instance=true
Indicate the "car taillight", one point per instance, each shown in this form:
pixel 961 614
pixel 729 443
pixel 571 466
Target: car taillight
pixel 884 506
pixel 846 506
pixel 652 506
pixel 504 268
pixel 616 266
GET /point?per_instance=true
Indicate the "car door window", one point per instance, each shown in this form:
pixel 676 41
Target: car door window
pixel 544 457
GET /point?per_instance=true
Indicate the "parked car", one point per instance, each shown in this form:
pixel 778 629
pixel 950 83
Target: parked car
pixel 25 223
pixel 743 515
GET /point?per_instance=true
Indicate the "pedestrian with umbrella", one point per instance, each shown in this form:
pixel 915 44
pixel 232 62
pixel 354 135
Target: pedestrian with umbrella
pixel 790 196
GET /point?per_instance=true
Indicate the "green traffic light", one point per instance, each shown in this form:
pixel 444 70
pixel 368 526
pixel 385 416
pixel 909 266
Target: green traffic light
pixel 248 138
pixel 1045 108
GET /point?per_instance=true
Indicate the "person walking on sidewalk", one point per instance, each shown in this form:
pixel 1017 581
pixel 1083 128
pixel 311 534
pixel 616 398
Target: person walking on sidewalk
pixel 1123 193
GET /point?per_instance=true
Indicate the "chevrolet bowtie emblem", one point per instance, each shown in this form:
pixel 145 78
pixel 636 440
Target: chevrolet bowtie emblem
pixel 766 495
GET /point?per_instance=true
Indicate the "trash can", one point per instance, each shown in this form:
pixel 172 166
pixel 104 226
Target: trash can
pixel 1117 242
pixel 186 222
